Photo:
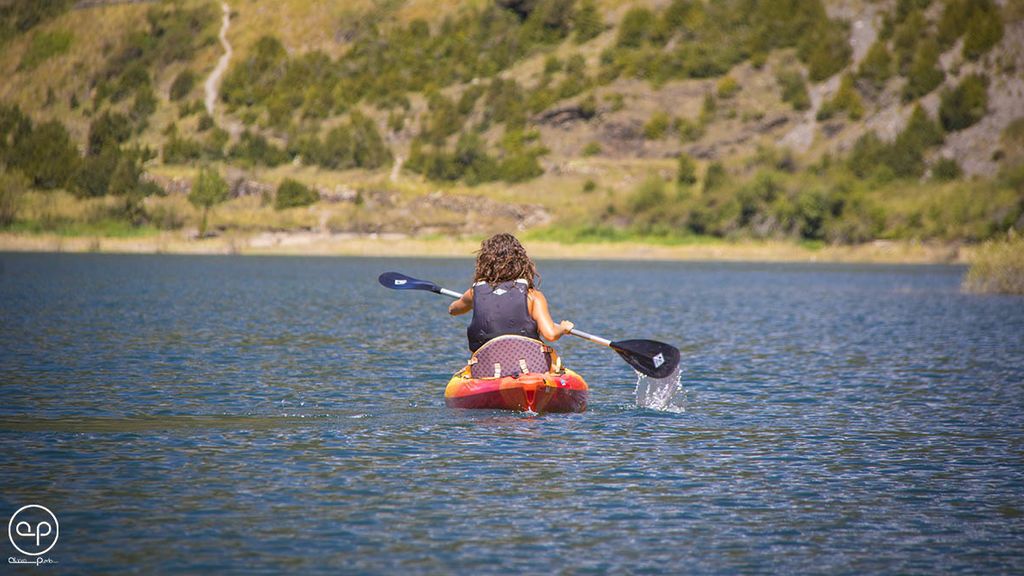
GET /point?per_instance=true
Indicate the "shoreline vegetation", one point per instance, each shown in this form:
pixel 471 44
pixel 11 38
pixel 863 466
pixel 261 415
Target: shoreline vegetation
pixel 670 130
pixel 400 245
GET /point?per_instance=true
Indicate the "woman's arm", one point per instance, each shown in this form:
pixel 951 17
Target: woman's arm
pixel 540 314
pixel 462 305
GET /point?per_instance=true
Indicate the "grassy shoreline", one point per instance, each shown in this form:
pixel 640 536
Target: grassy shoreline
pixel 395 245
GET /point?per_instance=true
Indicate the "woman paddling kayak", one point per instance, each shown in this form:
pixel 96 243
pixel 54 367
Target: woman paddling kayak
pixel 503 297
pixel 511 369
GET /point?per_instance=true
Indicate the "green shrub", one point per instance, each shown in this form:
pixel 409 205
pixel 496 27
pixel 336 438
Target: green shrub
pixel 965 105
pixel 876 67
pixel 924 74
pixel 92 179
pixel 906 37
pixel 688 131
pixel 294 194
pixel 998 267
pixel 143 106
pixel 846 99
pixel 649 195
pixel 727 87
pixel 108 129
pixel 708 108
pixel 868 152
pixel 254 149
pixel 984 29
pixel 182 85
pixel 825 49
pixel 946 169
pixel 686 170
pixel 45 45
pixel 922 130
pixel 715 176
pixel 657 125
pixel 587 23
pixel 592 149
pixel 179 150
pixel 953 22
pixel 520 166
pixel 635 28
pixel 589 186
pixel 794 88
pixel 46 155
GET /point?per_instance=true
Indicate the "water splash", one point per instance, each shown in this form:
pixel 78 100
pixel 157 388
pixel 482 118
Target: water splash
pixel 663 394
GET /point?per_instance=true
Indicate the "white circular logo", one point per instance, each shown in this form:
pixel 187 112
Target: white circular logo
pixel 33 530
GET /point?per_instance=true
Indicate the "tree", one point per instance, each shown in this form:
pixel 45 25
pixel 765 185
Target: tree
pixel 208 190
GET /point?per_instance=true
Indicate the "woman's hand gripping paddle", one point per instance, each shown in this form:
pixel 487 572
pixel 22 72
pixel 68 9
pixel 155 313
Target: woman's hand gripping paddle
pixel 649 357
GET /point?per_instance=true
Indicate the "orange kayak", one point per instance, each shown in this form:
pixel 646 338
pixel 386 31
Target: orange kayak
pixel 547 392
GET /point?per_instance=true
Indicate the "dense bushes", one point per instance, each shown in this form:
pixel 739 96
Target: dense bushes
pixel 470 161
pixel 355 144
pixel 385 63
pixel 44 153
pixel 902 158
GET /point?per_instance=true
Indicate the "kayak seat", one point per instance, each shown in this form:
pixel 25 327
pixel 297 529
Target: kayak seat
pixel 510 356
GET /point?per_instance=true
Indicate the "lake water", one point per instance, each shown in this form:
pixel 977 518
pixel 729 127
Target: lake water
pixel 248 414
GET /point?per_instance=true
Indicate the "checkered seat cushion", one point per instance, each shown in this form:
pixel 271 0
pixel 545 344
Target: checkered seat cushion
pixel 510 356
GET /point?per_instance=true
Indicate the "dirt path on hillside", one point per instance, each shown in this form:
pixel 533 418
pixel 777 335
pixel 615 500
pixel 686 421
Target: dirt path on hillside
pixel 213 82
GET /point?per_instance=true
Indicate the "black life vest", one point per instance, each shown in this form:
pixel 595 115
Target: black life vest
pixel 500 310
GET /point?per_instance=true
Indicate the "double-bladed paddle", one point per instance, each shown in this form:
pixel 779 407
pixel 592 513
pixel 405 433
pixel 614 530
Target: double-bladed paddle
pixel 649 357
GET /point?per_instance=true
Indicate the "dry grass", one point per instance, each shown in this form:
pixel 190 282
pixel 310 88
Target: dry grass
pixel 998 267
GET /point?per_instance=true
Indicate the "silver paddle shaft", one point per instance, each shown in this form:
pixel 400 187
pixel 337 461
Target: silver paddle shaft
pixel 451 293
pixel 591 337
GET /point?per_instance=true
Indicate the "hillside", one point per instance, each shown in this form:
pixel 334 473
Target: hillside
pixel 840 121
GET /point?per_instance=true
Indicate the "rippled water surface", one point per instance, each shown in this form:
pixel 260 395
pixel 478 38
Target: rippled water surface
pixel 189 414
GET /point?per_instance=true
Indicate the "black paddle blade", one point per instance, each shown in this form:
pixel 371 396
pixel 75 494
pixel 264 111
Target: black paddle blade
pixel 648 357
pixel 397 281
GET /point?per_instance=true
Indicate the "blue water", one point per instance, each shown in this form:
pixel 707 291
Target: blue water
pixel 244 414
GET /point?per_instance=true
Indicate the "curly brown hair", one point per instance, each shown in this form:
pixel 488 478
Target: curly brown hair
pixel 502 258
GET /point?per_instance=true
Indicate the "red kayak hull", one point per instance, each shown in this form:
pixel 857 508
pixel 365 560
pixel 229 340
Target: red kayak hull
pixel 565 392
